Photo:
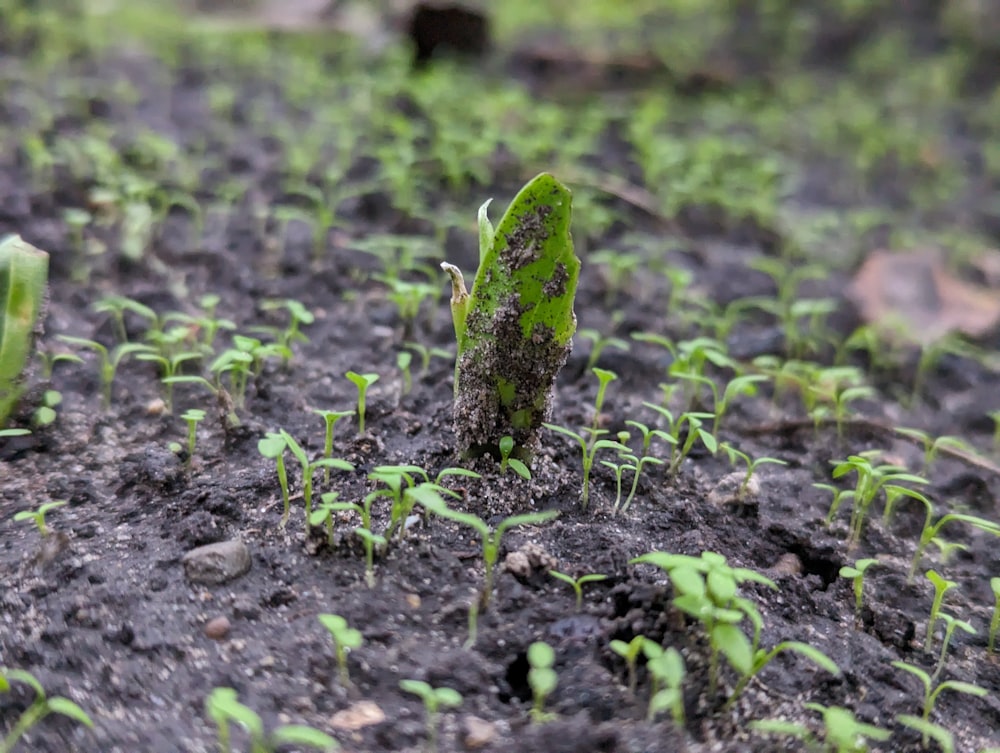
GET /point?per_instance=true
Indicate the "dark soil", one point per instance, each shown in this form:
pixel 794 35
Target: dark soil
pixel 106 616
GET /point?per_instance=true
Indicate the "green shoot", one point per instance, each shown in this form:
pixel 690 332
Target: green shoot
pixel 345 639
pixel 931 530
pixel 995 619
pixel 192 416
pixel 950 625
pixel 370 541
pixel 24 272
pixel 362 382
pixel 600 342
pixel 751 465
pixel 222 707
pixel 843 733
pixel 489 537
pixel 434 700
pixel 932 446
pixel 648 435
pixel 506 448
pixel 38 516
pixel 403 360
pixel 857 575
pixel 273 446
pixel 330 418
pixel 577 583
pixel 310 468
pixel 40 707
pixel 108 361
pixel 589 448
pixel 932 692
pixel 630 653
pixel 542 678
pixel 667 671
pixel 941 587
pixel 928 729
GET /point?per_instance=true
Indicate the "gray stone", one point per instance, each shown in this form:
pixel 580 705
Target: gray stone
pixel 216 563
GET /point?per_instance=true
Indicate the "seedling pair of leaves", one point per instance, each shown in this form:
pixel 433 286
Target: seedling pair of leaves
pixel 515 328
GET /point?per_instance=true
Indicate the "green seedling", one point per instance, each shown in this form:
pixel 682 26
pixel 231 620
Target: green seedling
pixel 330 418
pixel 226 407
pixel 599 344
pixel 45 413
pixel 931 530
pixel 170 367
pixel 751 465
pixel 931 693
pixel 857 576
pixel 666 671
pixel 870 480
pixel 489 537
pixel 223 708
pixel 577 583
pixel 370 541
pixel 941 587
pixel 309 468
pixel 38 516
pixel 117 305
pixel 49 361
pixel 515 328
pixel 995 619
pixel 590 447
pixel 434 700
pixel 345 640
pixel 506 445
pixel 403 360
pixel 273 446
pixel 929 730
pixel 40 707
pixel 362 382
pixel 298 316
pixel 14 433
pixel 542 678
pixel 630 653
pixel 109 361
pixel 692 422
pixel 408 297
pixel 24 273
pixel 426 354
pixel 629 463
pixel 842 732
pixel 404 493
pixel 950 625
pixel 192 416
pixel 932 445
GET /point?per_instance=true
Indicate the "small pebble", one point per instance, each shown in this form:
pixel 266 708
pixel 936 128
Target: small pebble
pixel 217 628
pixel 477 733
pixel 216 563
pixel 788 564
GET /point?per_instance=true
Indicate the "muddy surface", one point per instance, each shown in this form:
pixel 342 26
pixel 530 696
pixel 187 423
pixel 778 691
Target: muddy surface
pixel 104 613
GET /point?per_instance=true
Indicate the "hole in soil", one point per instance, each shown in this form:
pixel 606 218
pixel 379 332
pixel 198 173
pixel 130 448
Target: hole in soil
pixel 517 680
pixel 827 569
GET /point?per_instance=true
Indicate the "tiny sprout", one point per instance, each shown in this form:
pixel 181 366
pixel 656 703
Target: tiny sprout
pixel 323 514
pixel 630 653
pixel 516 465
pixel 667 671
pixel 931 693
pixel 345 639
pixel 752 465
pixel 541 678
pixel 589 448
pixel 223 707
pixel 40 707
pixel 941 586
pixel 434 700
pixel 577 583
pixel 857 574
pixel 362 382
pixel 38 516
pixel 273 446
pixel 192 416
pixel 330 417
pixel 995 619
pixel 950 625
pixel 604 377
pixel 370 540
pixel 403 360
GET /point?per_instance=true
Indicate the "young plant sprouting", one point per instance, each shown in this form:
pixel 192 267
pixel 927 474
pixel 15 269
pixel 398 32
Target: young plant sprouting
pixel 506 445
pixel 330 418
pixel 630 653
pixel 599 344
pixel 752 465
pixel 515 328
pixel 931 693
pixel 870 481
pixel 950 625
pixel 931 530
pixel 345 639
pixel 675 428
pixel 490 537
pixel 24 273
pixel 667 671
pixel 857 576
pixel 38 516
pixel 932 446
pixel 542 678
pixel 434 700
pixel 273 446
pixel 370 541
pixel 362 382
pixel 110 361
pixel 223 708
pixel 941 587
pixel 192 416
pixel 40 707
pixel 842 732
pixel 995 619
pixel 298 315
pixel 577 583
pixel 309 468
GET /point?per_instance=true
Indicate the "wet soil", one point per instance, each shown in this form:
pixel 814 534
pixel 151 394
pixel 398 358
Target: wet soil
pixel 103 612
